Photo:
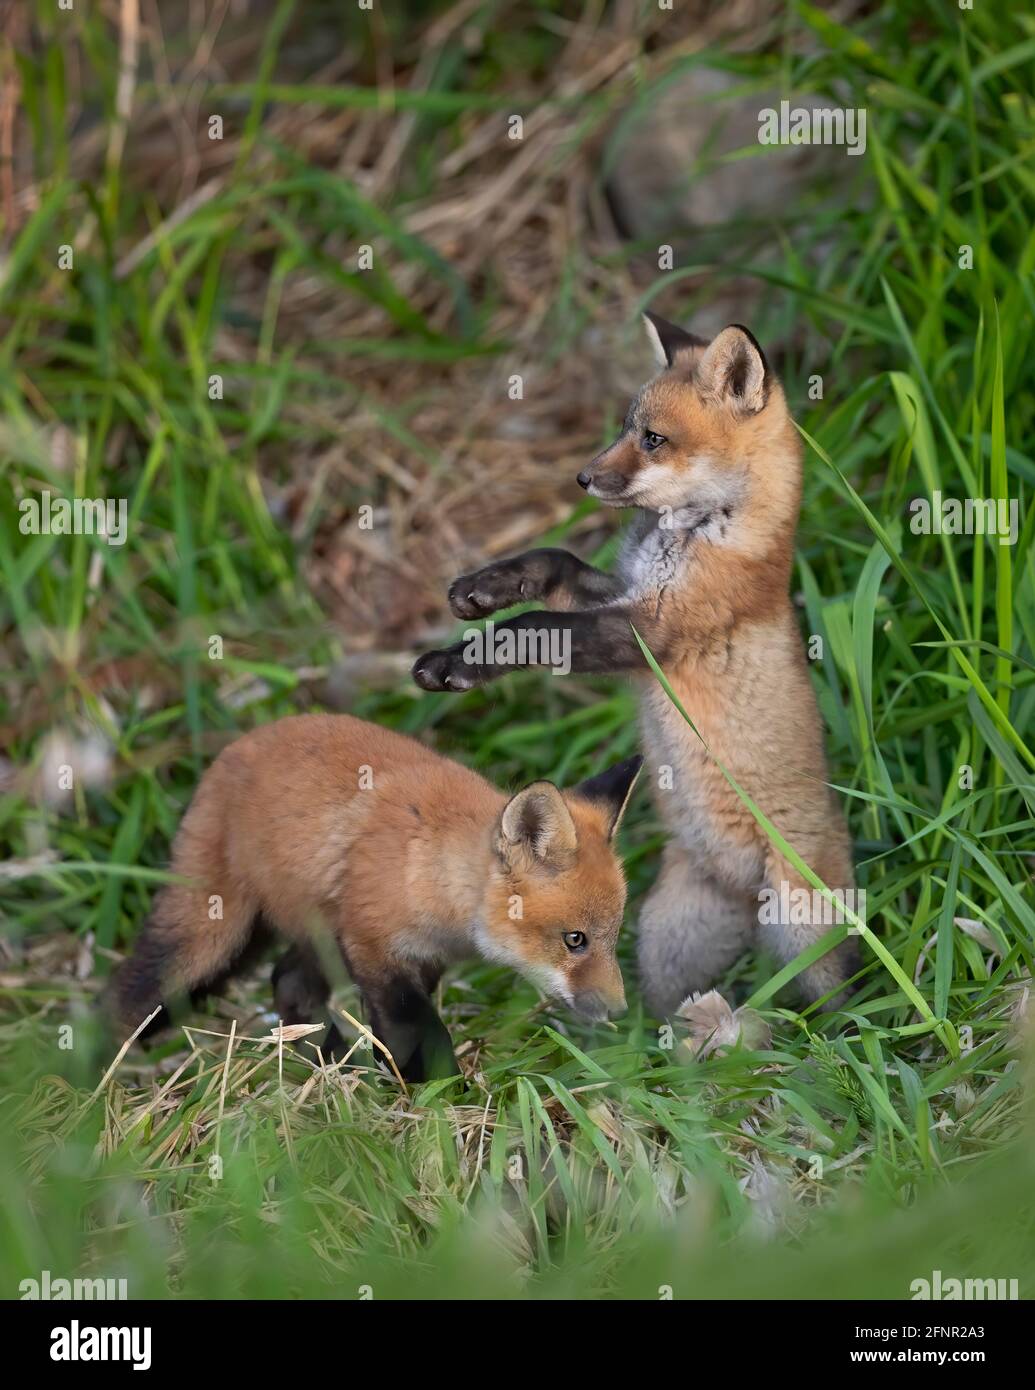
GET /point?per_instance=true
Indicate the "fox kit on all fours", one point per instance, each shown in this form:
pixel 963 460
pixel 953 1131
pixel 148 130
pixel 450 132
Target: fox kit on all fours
pixel 710 456
pixel 350 839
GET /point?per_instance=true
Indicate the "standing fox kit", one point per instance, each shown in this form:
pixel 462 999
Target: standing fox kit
pixel 364 848
pixel 709 455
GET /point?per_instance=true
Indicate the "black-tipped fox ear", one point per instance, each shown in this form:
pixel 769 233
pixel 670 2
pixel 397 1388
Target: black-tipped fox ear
pixel 613 789
pixel 734 370
pixel 667 338
pixel 536 825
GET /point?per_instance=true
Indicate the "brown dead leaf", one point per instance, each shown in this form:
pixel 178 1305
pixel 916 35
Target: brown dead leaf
pixel 291 1032
pixel 605 1120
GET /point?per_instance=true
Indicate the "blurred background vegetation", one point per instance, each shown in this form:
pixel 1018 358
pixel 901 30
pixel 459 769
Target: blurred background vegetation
pixel 215 355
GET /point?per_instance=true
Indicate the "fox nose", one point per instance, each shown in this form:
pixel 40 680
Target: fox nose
pixel 584 478
pixel 593 1005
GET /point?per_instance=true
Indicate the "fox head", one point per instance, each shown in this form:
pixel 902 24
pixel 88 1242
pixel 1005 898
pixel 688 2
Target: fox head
pixel 556 891
pixel 702 432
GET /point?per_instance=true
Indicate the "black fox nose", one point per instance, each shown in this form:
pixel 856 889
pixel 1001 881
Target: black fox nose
pixel 584 479
pixel 593 1005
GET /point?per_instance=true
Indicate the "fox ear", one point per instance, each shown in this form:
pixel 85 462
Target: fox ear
pixel 667 338
pixel 734 370
pixel 536 824
pixel 613 789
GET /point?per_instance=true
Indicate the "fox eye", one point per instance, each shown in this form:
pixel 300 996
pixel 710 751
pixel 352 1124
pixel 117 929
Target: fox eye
pixel 652 440
pixel 575 940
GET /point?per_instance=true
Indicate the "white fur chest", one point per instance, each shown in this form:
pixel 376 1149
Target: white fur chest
pixel 654 559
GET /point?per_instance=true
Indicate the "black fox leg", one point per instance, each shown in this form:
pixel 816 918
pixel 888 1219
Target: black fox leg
pixel 591 643
pixel 300 988
pixel 302 982
pixel 401 1015
pixel 554 577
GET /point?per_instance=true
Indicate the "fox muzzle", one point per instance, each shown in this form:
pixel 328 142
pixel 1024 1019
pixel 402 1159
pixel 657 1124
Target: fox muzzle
pixel 597 1006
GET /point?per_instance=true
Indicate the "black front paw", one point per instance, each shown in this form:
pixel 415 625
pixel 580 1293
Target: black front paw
pixel 488 590
pixel 447 670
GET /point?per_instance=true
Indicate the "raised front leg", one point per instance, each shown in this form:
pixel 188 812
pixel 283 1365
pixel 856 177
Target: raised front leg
pixel 592 643
pixel 400 1013
pixel 555 578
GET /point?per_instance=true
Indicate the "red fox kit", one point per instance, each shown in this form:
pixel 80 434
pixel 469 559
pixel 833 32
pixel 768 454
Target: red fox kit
pixel 709 455
pixel 336 832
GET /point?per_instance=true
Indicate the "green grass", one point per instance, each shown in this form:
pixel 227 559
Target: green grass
pixel 576 1162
